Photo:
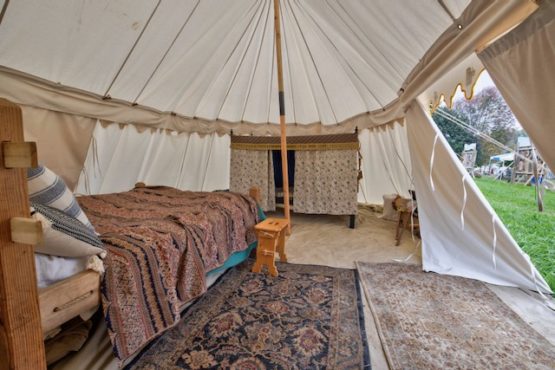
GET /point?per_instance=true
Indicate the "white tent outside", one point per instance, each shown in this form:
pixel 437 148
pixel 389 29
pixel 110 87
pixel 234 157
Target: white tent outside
pixel 503 157
pixel 157 102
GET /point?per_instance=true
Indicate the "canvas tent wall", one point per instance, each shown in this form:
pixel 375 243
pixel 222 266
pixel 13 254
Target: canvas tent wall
pixel 146 77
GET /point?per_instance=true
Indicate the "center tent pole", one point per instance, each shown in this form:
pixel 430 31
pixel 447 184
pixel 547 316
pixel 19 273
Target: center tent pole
pixel 284 166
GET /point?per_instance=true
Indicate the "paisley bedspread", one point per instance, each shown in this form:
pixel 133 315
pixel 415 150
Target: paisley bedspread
pixel 161 242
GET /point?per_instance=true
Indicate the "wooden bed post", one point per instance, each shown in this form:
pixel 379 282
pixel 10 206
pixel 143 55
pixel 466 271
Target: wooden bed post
pixel 21 340
pixel 284 167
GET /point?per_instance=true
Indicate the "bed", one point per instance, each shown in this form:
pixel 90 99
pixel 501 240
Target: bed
pixel 27 312
pixel 163 246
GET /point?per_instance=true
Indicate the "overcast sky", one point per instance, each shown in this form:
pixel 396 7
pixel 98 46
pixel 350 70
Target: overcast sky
pixel 483 82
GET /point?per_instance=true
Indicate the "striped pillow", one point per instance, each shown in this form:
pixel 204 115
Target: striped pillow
pixel 48 189
pixel 64 235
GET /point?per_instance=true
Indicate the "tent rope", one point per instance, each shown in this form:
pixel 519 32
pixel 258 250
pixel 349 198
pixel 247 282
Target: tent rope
pixel 548 303
pixel 442 113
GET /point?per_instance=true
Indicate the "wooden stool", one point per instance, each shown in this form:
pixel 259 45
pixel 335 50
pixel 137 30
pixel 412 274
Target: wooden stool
pixel 405 208
pixel 271 234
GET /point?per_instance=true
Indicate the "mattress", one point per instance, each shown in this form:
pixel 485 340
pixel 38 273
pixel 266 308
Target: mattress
pixel 51 269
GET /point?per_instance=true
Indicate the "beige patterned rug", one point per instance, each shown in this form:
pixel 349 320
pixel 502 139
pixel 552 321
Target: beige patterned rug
pixel 432 321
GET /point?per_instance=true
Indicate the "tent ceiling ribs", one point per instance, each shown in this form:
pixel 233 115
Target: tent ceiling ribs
pixel 251 81
pixel 313 63
pixel 166 52
pixel 252 9
pixel 446 9
pixel 347 62
pixel 3 11
pixel 132 48
pixel 255 28
pixel 284 37
pixel 360 32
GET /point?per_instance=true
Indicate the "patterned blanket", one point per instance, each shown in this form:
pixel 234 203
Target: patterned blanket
pixel 161 242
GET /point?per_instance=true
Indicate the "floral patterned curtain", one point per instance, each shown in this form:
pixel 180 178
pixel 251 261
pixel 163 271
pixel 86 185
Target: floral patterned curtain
pixel 254 168
pixel 326 182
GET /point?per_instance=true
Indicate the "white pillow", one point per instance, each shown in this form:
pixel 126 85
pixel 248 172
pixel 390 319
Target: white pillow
pixel 389 213
pixel 49 189
pixel 65 236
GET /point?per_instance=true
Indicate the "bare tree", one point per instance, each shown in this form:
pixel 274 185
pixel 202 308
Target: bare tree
pixel 489 113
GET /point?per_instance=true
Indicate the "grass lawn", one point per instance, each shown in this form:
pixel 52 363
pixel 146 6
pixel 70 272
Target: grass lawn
pixel 534 231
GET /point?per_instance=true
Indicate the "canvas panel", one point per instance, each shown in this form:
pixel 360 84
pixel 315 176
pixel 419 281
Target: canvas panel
pixel 62 140
pixel 521 65
pixel 119 157
pixel 386 163
pixel 461 233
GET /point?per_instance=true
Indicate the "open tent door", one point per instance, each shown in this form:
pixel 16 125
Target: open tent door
pixel 519 63
pixel 461 233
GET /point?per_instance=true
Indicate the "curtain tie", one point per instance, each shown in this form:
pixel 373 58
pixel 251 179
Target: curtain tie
pixel 493 221
pixel 464 201
pixel 432 162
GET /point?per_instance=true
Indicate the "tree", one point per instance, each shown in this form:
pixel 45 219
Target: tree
pixel 456 136
pixel 488 113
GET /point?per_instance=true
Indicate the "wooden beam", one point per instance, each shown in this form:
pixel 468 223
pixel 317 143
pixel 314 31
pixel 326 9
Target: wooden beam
pixel 19 307
pixel 283 129
pixel 68 298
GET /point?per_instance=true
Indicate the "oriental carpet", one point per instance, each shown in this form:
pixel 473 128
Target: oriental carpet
pixel 309 317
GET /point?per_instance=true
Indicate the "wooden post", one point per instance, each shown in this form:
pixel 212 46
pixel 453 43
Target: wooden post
pixel 284 167
pixel 539 195
pixel 255 193
pixel 21 342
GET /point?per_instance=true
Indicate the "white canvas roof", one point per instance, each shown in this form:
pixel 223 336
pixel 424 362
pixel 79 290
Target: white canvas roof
pixel 215 59
pixel 110 89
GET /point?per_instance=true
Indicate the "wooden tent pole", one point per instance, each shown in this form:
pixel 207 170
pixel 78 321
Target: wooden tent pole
pixel 284 167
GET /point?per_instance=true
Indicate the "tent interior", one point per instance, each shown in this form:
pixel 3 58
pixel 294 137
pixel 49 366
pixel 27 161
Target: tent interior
pixel 131 103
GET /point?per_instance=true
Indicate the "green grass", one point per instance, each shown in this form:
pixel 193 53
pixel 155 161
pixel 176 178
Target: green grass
pixel 515 204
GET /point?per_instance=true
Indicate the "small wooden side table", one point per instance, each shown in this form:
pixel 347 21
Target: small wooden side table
pixel 271 235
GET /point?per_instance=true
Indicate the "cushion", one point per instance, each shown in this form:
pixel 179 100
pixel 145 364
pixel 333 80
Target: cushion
pixel 64 235
pixel 47 188
pixel 389 213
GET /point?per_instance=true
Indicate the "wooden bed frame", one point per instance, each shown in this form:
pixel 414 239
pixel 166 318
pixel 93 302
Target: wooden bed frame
pixel 21 336
pixel 26 312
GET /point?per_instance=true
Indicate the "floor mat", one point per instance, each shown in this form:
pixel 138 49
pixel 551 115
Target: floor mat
pixel 432 321
pixel 309 317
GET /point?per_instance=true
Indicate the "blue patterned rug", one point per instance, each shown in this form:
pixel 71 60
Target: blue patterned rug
pixel 309 317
